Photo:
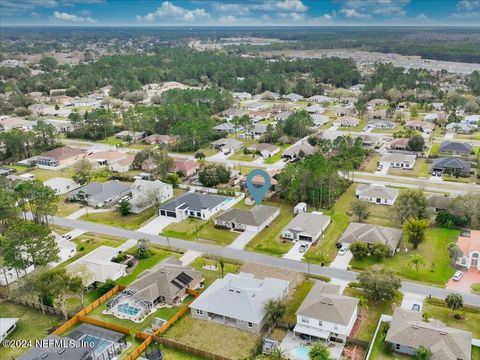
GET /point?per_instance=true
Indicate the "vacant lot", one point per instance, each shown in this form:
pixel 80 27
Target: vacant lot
pixel 114 218
pixel 193 229
pixel 437 269
pixel 32 325
pixel 216 338
pixel 215 272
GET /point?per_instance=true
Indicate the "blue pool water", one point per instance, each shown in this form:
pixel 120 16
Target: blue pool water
pixel 300 353
pixel 129 310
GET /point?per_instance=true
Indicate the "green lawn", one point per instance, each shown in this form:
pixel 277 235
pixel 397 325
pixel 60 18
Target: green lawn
pixel 112 140
pixel 324 250
pixel 65 208
pixel 186 230
pixel 172 354
pixel 476 289
pixel 371 314
pixel 216 338
pixel 268 240
pixel 278 156
pixel 439 311
pixel 32 325
pixel 371 163
pixel 296 299
pixel 114 218
pixel 211 275
pixel 437 269
pixel 379 215
pixel 378 350
pixel 240 156
pixel 434 150
pixel 420 169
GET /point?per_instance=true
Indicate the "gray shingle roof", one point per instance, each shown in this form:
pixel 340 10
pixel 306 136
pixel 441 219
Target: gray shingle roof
pixel 454 146
pixel 101 191
pixel 446 343
pixel 372 234
pixel 56 353
pixel 377 191
pixel 451 163
pixel 195 202
pixel 324 303
pixel 307 223
pixel 254 217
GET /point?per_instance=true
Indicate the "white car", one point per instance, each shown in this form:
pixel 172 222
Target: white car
pixel 458 275
pixel 342 251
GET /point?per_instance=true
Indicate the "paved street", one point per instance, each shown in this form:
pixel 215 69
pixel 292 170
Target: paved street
pixel 247 256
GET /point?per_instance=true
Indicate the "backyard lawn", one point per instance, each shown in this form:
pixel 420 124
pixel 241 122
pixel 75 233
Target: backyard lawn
pixel 420 169
pixel 173 354
pixel 324 250
pixel 437 269
pixel 371 315
pixel 191 229
pixel 378 350
pixel 268 240
pixel 32 325
pixel 296 299
pixel 370 164
pixel 114 218
pixel 211 275
pixel 216 338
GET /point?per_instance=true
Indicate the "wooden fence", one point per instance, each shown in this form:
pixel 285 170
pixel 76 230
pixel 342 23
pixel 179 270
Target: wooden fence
pixel 36 305
pixel 103 324
pixel 189 349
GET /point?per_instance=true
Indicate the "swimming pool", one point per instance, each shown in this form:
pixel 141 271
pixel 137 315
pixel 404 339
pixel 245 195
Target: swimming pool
pixel 100 345
pixel 127 309
pixel 300 353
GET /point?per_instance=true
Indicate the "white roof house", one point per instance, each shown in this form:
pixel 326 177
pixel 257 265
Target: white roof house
pixel 321 99
pixel 7 325
pixel 398 160
pixel 315 109
pixel 61 185
pixel 293 97
pixel 238 300
pixel 377 194
pixel 306 226
pixel 99 265
pixel 145 193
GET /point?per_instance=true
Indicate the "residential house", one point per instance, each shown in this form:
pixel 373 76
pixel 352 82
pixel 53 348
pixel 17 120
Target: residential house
pixel 101 194
pixel 437 106
pixel 315 109
pixel 54 347
pixel 472 120
pixel 377 102
pixel 452 165
pixel 408 331
pixel 325 314
pixel 9 123
pixel 438 203
pixel 187 167
pixel 146 193
pixel 257 130
pixel 122 165
pixel 377 115
pixel 227 145
pixel 58 158
pixel 469 243
pixel 238 300
pixel 258 180
pixel 265 149
pixel 61 185
pixel 398 160
pixel 225 127
pixel 371 234
pixel 347 121
pixel 369 140
pixel 7 326
pixel 282 116
pixel 253 220
pixel 381 124
pixel 104 158
pixel 165 284
pixel 259 115
pixel 306 227
pixel 269 95
pixel 377 194
pixel 295 152
pixel 97 266
pixel 462 128
pixel 293 97
pixel 255 106
pixel 320 99
pixel 419 125
pixel 195 205
pixel 455 148
pixel 159 139
pixel 432 117
pixel 242 95
pixel 229 114
pixel 130 135
pixel 344 112
pixel 399 144
pixel 318 120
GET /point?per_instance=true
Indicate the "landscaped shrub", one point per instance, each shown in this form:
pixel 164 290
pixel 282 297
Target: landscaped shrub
pixel 106 286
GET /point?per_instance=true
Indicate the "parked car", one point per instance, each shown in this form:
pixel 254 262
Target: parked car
pixel 342 251
pixel 67 237
pixel 303 248
pixel 458 275
pixel 379 167
pixel 416 307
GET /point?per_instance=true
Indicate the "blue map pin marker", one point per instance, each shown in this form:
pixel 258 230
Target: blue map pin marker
pixel 258 191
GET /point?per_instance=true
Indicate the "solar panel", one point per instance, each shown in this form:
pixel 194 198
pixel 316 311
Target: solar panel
pixel 177 284
pixel 184 278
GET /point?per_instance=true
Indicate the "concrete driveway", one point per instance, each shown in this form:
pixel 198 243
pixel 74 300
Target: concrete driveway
pixel 219 156
pixel 410 299
pixel 469 278
pixel 294 254
pixel 342 261
pixel 242 240
pixel 157 225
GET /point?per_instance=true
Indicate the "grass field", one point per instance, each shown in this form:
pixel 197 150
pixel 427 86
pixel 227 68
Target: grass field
pixel 268 240
pixel 296 299
pixel 32 325
pixel 65 208
pixel 114 218
pixel 216 338
pixel 371 163
pixel 240 156
pixel 211 275
pixel 371 315
pixel 437 269
pixel 191 229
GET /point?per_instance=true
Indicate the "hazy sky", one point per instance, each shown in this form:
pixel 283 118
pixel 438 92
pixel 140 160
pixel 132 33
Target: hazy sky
pixel 234 12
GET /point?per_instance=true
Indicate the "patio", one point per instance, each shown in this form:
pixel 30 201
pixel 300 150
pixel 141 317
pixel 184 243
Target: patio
pixel 295 348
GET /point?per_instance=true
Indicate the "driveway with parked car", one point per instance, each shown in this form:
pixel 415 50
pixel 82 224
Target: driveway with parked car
pixel 297 251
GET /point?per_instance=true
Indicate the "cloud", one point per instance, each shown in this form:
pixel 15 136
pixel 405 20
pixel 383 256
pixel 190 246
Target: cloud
pixel 17 7
pixel 66 17
pixel 168 10
pixel 468 5
pixel 237 9
pixel 365 9
pixel 281 6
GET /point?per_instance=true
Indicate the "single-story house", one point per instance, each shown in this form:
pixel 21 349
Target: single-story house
pixel 347 121
pixel 265 149
pixel 7 326
pixel 381 124
pixel 472 120
pixel 259 115
pixel 227 145
pixel 61 185
pixel 455 148
pixel 282 116
pixel 145 193
pixel 225 127
pixel 437 106
pixel 432 117
pixel 320 99
pixel 257 130
pixel 258 180
pixel 165 284
pixel 470 246
pixel 293 97
pixel 377 194
pixel 54 348
pixel 254 106
pixel 438 203
pixel 325 314
pixel 378 102
pixel 398 160
pixel 238 300
pixel 377 114
pixel 319 120
pixel 419 125
pixel 306 227
pixel 97 266
pixel 294 152
pixel 229 114
pixel 371 234
pixel 242 95
pixel 122 165
pixel 10 123
pixel 159 139
pixel 103 158
pixel 100 194
pixel 58 158
pixel 315 109
pixel 269 95
pixel 399 144
pixel 408 331
pixel 462 128
pixel 369 140
pixel 188 167
pixel 193 205
pixel 130 135
pixel 452 165
pixel 247 220
pixel 344 112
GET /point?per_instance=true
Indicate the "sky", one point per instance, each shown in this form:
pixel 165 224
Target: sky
pixel 240 12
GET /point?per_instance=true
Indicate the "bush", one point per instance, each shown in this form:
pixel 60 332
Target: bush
pixel 119 258
pixel 106 286
pixel 457 316
pixel 359 250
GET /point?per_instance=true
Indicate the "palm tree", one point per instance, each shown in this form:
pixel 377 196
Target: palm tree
pixel 363 302
pixel 319 351
pixel 417 260
pixel 275 309
pixel 276 354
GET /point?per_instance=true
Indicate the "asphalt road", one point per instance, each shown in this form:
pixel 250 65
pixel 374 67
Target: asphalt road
pixel 247 256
